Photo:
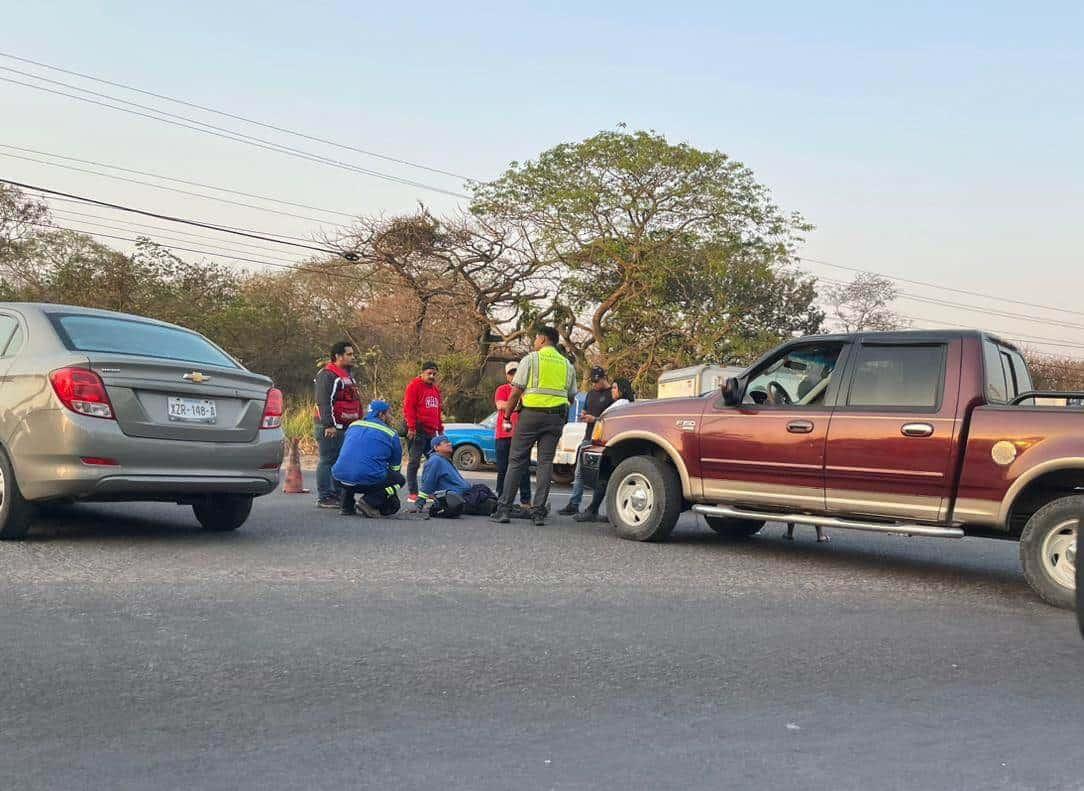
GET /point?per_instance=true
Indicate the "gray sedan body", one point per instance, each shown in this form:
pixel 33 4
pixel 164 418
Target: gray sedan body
pixel 96 405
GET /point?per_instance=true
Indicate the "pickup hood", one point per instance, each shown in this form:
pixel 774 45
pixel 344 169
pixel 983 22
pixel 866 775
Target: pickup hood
pixel 668 407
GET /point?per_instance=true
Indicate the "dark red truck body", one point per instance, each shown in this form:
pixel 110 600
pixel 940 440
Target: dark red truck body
pixel 954 457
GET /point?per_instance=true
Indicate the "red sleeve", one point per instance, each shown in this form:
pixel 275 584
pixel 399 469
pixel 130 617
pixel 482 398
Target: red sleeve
pixel 410 405
pixel 440 411
pixel 501 394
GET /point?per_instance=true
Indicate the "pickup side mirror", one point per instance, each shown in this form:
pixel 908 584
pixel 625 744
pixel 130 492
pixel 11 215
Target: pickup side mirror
pixel 731 392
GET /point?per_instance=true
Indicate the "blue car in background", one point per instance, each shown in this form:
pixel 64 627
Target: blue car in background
pixel 474 443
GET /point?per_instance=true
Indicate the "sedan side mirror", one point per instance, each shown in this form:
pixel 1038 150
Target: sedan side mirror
pixel 731 392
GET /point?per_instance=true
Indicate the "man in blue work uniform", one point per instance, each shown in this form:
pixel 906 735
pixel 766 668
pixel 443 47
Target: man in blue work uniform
pixel 444 490
pixel 369 465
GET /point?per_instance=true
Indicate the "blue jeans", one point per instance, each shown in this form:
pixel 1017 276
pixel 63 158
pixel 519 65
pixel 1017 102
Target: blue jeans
pixel 326 486
pixel 578 485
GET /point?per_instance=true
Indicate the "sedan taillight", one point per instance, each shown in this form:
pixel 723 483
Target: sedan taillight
pixel 272 411
pixel 82 391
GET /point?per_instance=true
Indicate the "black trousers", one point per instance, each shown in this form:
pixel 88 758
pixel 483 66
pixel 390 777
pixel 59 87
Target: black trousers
pixel 504 449
pixel 418 450
pixel 375 494
pixel 534 427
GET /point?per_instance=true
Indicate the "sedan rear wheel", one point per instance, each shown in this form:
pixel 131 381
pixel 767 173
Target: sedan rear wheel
pixel 467 457
pixel 15 512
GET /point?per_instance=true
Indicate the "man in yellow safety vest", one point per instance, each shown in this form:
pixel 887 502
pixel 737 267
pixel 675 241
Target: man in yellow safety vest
pixel 545 384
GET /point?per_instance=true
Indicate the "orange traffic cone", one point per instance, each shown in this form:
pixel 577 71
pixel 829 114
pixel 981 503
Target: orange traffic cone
pixel 294 483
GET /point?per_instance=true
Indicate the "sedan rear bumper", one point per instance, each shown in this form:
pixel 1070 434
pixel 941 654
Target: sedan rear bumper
pixel 52 449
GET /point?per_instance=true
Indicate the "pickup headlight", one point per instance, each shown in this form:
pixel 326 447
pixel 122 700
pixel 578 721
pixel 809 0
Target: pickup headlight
pixel 596 432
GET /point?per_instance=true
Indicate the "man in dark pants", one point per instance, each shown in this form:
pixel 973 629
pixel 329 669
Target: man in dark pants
pixel 545 382
pixel 338 404
pixel 422 410
pixel 503 432
pixel 597 402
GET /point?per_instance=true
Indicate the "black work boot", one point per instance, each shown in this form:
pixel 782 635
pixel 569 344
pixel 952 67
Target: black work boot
pixel 538 517
pixel 569 510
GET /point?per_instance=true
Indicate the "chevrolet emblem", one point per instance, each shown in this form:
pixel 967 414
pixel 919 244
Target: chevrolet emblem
pixel 196 377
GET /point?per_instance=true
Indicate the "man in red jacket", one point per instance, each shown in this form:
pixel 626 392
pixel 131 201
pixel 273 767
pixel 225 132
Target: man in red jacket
pixel 422 405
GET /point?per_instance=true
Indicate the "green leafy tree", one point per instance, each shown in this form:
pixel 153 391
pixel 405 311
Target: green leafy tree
pixel 647 233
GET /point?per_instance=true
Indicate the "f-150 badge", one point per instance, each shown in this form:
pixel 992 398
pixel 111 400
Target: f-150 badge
pixel 686 425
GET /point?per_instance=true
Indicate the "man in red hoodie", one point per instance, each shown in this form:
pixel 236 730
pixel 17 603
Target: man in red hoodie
pixel 422 406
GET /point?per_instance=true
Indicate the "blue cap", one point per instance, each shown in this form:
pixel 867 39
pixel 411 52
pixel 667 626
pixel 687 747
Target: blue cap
pixel 377 407
pixel 437 440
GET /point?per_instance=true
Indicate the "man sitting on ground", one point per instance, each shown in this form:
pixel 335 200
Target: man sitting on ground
pixel 445 491
pixel 369 465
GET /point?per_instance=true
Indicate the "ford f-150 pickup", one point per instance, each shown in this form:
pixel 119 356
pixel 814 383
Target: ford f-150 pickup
pixel 923 433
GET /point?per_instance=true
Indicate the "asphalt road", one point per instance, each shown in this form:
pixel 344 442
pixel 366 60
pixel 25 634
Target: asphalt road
pixel 309 650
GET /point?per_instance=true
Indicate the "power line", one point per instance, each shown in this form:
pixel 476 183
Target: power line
pixel 242 118
pixel 166 238
pixel 133 227
pixel 280 236
pixel 178 181
pixel 295 267
pixel 196 223
pixel 990 311
pixel 292 267
pixel 943 288
pixel 217 131
pixel 168 189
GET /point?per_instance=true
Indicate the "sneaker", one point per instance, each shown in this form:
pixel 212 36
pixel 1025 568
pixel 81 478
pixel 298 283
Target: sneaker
pixel 569 510
pixel 538 518
pixel 348 513
pixel 328 502
pixel 587 516
pixel 412 498
pixel 500 516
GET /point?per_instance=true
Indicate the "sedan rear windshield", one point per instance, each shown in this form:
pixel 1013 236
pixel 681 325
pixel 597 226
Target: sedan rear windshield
pixel 111 335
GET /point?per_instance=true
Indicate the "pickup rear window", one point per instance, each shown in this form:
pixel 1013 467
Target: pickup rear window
pixel 907 377
pixel 111 335
pixel 1006 373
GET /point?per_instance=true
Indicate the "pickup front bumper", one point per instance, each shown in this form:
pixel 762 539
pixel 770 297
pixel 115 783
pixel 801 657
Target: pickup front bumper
pixel 591 461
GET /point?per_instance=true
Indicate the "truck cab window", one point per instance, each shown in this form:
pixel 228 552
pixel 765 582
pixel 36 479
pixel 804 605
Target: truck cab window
pixel 800 377
pixel 904 377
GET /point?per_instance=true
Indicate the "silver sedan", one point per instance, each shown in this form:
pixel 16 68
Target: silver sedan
pixel 102 406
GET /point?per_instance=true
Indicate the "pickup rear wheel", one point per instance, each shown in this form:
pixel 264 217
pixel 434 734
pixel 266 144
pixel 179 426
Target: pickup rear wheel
pixel 734 528
pixel 643 499
pixel 1048 548
pixel 223 512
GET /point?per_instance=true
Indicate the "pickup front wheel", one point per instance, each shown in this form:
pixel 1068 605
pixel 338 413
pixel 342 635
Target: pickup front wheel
pixel 1048 548
pixel 643 499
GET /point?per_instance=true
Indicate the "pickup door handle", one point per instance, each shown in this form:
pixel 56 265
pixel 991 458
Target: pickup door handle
pixel 916 430
pixel 800 426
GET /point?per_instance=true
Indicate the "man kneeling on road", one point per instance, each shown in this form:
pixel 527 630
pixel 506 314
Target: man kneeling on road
pixel 446 492
pixel 369 465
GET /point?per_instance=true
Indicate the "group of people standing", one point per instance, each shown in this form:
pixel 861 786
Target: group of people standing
pixel 360 456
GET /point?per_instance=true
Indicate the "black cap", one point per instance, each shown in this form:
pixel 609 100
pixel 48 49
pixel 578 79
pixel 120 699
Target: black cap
pixel 430 366
pixel 598 372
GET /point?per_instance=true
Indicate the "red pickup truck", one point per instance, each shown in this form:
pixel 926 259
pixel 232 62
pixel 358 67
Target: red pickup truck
pixel 922 433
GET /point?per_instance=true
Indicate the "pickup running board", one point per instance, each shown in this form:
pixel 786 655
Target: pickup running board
pixel 730 512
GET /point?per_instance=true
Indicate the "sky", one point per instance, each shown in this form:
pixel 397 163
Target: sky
pixel 935 142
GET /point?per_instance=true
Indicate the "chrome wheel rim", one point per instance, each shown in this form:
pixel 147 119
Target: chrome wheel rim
pixel 3 489
pixel 635 499
pixel 1059 553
